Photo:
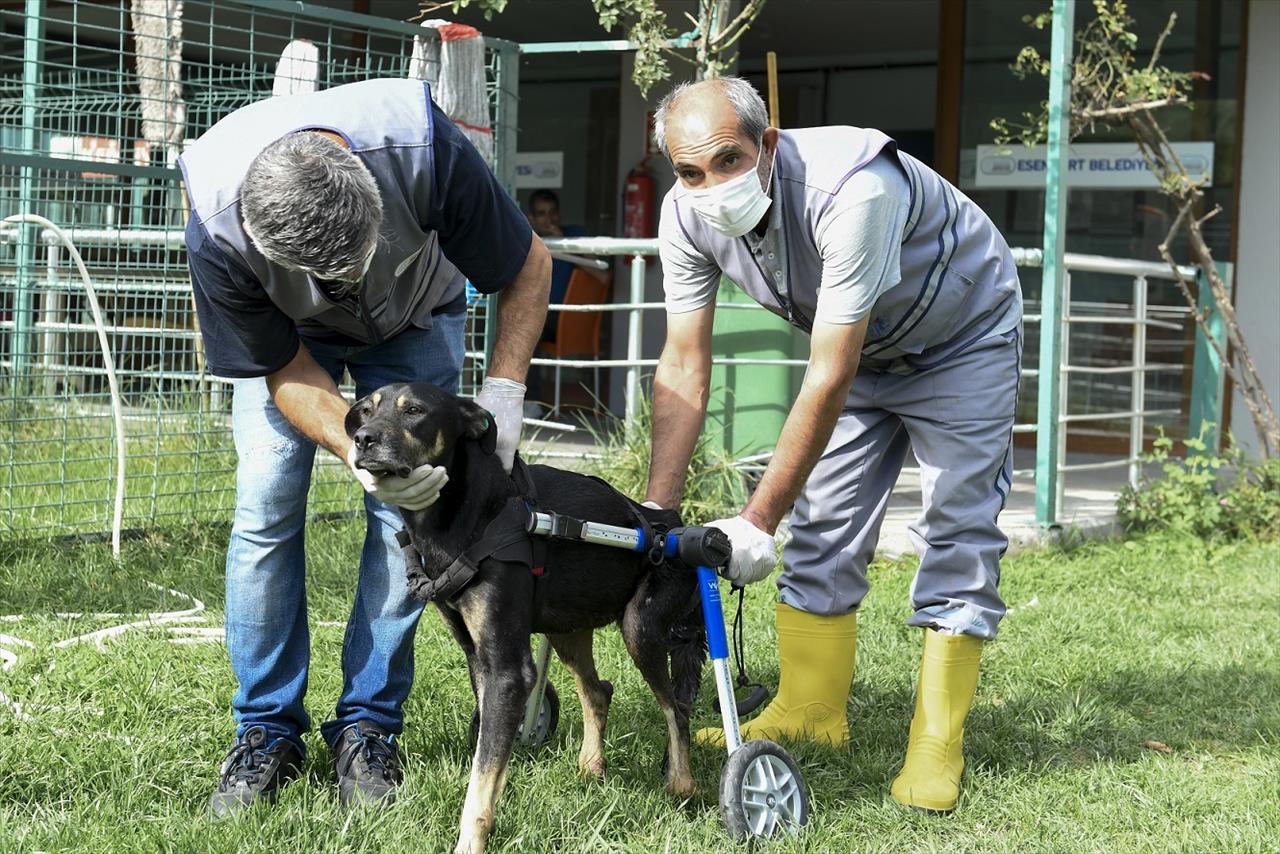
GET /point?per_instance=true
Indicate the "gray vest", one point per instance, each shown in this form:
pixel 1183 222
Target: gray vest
pixel 388 126
pixel 958 285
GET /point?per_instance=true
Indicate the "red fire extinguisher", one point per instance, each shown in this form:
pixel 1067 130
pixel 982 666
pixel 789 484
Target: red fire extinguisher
pixel 638 203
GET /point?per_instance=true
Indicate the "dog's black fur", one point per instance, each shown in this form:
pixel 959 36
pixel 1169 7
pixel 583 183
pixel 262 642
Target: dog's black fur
pixel 585 587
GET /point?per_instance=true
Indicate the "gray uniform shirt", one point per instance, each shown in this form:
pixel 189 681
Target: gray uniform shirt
pixel 856 228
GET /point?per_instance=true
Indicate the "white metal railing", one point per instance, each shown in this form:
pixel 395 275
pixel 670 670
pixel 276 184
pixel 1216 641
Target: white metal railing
pixel 1140 319
pixel 1142 316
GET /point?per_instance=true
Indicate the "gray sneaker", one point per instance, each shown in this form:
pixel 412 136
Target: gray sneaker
pixel 368 765
pixel 253 771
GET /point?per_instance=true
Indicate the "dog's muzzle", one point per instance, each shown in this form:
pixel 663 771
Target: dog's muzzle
pixel 373 455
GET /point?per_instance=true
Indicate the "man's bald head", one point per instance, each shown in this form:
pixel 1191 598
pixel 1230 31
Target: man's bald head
pixel 695 110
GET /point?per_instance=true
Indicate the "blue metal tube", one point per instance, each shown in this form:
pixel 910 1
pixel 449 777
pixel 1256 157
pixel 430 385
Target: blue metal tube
pixel 709 591
pixel 718 646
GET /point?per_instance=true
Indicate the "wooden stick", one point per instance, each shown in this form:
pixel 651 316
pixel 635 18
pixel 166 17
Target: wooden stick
pixel 771 65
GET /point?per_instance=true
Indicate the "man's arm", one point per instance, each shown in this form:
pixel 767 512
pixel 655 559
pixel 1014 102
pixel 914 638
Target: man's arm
pixel 522 312
pixel 307 396
pixel 834 354
pixel 680 389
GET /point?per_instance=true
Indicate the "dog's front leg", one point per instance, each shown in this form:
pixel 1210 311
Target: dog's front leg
pixel 504 677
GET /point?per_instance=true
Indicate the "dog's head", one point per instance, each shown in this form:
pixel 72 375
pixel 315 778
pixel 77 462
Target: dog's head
pixel 402 426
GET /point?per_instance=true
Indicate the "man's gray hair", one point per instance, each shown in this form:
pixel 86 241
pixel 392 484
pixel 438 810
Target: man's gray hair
pixel 309 204
pixel 753 117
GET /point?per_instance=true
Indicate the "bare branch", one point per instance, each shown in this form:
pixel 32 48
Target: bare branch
pixel 1110 90
pixel 742 21
pixel 1168 28
pixel 1167 147
pixel 1185 287
pixel 1140 107
pixel 725 44
pixel 426 8
pixel 1163 248
pixel 1217 209
pixel 672 52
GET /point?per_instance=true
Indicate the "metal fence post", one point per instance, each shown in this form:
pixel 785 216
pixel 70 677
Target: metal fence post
pixel 635 328
pixel 1064 391
pixel 1208 372
pixel 1138 389
pixel 1051 304
pixel 24 278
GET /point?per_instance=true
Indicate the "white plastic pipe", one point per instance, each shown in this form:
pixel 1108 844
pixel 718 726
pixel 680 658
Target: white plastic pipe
pixel 117 411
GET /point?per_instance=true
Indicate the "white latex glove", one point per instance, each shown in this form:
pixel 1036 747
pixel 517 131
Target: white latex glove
pixel 418 491
pixel 754 555
pixel 505 399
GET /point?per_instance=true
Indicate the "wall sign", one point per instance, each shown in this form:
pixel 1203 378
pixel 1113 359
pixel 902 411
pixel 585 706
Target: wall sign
pixel 1096 165
pixel 539 169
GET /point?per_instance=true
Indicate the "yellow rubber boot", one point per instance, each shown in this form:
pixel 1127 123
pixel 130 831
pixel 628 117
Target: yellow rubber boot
pixel 930 776
pixel 816 655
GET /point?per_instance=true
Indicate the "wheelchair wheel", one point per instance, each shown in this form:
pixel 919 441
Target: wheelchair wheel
pixel 544 728
pixel 762 792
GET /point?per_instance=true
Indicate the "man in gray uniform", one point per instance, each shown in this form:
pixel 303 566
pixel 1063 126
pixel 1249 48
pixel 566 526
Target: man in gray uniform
pixel 329 232
pixel 911 300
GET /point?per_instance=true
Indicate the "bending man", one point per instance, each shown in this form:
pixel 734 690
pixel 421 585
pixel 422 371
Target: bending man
pixel 911 301
pixel 331 232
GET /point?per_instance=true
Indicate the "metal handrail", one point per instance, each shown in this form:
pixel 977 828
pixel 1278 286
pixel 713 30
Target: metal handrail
pixel 1140 318
pixel 1076 261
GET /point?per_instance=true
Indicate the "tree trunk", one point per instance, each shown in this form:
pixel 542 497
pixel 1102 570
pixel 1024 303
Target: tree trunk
pixel 1176 185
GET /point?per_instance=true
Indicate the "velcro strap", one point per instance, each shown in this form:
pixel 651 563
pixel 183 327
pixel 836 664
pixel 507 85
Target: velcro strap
pixel 452 581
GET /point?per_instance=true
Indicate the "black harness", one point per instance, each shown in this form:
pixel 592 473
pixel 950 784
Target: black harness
pixel 507 537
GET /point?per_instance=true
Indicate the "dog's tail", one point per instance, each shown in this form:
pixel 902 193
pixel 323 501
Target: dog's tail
pixel 688 653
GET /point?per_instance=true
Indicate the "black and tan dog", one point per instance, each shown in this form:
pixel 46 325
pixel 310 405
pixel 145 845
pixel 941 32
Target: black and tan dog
pixel 583 587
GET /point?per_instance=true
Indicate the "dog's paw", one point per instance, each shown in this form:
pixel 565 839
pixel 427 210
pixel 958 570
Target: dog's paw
pixel 473 844
pixel 682 787
pixel 591 765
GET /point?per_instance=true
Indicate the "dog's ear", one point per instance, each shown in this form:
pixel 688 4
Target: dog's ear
pixel 478 424
pixel 355 416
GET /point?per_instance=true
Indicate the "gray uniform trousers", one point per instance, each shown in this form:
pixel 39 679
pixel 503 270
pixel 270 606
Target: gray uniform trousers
pixel 957 416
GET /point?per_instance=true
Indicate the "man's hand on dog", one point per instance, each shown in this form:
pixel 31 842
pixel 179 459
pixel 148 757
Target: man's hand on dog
pixel 754 554
pixel 418 491
pixel 504 398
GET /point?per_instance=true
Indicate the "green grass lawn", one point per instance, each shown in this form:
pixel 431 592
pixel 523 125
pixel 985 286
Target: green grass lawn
pixel 1107 647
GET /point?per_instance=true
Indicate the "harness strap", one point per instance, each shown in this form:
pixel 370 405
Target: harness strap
pixel 506 537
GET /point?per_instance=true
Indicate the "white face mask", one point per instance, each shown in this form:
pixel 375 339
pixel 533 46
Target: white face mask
pixel 734 207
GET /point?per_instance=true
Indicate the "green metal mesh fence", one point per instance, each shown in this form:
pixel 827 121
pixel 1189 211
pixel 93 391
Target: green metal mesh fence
pixel 89 142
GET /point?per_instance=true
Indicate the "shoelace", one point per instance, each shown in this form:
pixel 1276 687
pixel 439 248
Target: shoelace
pixel 378 753
pixel 244 764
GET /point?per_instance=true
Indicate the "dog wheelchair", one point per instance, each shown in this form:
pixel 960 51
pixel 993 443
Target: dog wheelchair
pixel 762 791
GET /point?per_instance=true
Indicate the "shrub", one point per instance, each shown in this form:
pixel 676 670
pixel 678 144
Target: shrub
pixel 1204 494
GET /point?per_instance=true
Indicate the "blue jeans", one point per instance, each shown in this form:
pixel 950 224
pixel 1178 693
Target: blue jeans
pixel 266 611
